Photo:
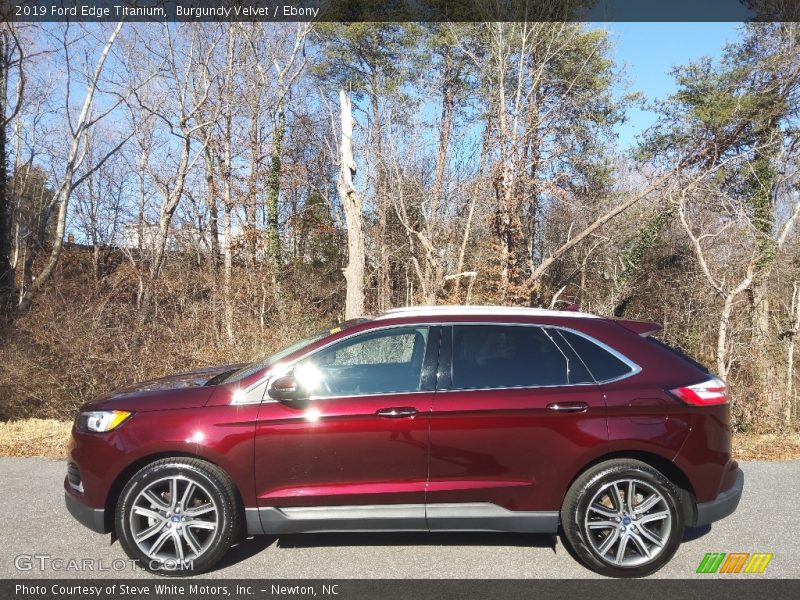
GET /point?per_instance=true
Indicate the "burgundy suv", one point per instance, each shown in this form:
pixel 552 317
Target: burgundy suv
pixel 433 419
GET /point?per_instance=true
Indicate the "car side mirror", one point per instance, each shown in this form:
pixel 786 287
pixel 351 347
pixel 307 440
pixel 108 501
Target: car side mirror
pixel 286 389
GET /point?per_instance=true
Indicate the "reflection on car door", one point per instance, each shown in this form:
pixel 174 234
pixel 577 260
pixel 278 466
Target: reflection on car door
pixel 362 438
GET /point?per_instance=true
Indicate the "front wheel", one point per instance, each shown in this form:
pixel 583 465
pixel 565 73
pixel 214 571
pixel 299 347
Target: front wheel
pixel 622 518
pixel 177 516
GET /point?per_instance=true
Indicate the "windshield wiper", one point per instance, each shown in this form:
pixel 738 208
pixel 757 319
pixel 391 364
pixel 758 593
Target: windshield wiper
pixel 220 377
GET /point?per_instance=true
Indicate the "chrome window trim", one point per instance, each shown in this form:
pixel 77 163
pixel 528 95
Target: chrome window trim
pixel 373 395
pixel 635 369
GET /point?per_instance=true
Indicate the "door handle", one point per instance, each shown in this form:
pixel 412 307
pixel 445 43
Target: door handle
pixel 568 407
pixel 397 412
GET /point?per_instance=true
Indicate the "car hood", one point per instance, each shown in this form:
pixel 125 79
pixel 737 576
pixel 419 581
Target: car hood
pixel 182 390
pixel 189 379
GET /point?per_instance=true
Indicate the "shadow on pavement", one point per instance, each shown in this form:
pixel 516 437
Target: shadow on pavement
pixel 693 533
pixel 251 546
pixel 409 538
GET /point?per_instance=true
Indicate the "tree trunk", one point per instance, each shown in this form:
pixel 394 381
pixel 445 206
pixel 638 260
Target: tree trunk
pixel 273 191
pixel 722 337
pixel 470 212
pixel 448 99
pixel 383 276
pixel 351 202
pixel 790 404
pixel 273 196
pixel 254 181
pixel 227 286
pixel 227 198
pixel 6 270
pixel 764 361
pixel 211 200
pixel 434 272
pixel 227 189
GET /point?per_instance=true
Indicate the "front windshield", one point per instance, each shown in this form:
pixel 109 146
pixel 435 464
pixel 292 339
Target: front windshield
pixel 248 370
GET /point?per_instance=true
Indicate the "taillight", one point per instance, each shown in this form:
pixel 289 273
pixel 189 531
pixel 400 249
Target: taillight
pixel 713 391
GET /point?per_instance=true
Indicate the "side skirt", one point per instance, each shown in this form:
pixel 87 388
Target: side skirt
pixel 474 516
pixel 484 516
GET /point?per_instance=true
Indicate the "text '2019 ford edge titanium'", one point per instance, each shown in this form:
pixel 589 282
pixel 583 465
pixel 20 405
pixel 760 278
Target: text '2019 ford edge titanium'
pixel 435 419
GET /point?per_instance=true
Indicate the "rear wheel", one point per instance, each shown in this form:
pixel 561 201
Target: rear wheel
pixel 623 518
pixel 177 516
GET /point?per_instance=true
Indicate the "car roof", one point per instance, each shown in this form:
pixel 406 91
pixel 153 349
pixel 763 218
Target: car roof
pixel 483 311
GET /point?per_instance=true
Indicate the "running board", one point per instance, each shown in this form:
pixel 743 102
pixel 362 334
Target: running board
pixel 473 516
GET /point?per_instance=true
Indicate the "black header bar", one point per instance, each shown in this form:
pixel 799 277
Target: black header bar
pixel 399 10
pixel 168 588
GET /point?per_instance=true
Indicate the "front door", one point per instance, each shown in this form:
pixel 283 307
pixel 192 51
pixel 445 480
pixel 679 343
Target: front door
pixel 509 422
pixel 357 450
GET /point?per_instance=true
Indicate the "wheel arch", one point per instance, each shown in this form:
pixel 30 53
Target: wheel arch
pixel 665 466
pixel 124 476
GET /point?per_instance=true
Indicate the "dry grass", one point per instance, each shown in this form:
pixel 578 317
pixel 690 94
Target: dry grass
pixel 48 438
pixel 34 437
pixel 766 446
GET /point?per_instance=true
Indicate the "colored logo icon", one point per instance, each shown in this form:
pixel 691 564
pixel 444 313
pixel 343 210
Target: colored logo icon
pixel 735 562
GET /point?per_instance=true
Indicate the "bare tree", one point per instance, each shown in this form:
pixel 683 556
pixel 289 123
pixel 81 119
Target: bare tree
pixel 78 130
pixel 188 80
pixel 288 62
pixel 98 207
pixel 739 228
pixel 729 292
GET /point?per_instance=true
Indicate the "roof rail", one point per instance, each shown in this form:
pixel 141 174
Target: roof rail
pixel 478 310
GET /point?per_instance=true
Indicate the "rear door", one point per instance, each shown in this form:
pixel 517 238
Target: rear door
pixel 513 414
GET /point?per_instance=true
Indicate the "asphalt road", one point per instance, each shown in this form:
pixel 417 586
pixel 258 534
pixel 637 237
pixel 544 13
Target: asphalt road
pixel 34 522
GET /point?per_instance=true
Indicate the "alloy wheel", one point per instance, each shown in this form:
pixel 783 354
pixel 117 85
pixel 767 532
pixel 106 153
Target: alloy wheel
pixel 174 519
pixel 628 523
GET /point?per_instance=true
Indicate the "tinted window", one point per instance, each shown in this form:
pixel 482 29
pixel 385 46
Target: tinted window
pixel 373 363
pixel 601 363
pixel 578 373
pixel 491 356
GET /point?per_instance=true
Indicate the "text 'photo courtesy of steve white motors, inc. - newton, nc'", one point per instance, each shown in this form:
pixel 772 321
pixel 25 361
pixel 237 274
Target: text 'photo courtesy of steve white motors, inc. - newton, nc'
pixel 164 590
pixel 121 11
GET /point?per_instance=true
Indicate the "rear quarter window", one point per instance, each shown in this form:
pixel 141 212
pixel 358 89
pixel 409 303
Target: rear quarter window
pixel 602 364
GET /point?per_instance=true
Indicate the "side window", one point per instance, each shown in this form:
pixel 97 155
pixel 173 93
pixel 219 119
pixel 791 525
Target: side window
pixel 601 363
pixel 381 362
pixel 494 356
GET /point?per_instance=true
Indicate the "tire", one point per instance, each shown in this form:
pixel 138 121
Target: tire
pixel 594 527
pixel 178 516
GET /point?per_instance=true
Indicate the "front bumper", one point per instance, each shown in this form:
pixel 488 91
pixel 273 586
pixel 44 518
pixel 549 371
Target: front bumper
pixel 722 506
pixel 93 518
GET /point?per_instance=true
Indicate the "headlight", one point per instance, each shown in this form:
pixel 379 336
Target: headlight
pixel 99 421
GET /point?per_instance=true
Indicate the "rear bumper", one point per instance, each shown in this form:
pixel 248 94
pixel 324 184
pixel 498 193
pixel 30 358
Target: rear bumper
pixel 722 506
pixel 93 518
